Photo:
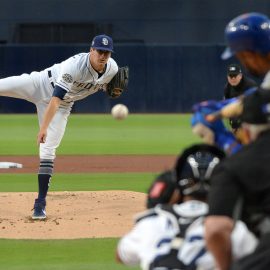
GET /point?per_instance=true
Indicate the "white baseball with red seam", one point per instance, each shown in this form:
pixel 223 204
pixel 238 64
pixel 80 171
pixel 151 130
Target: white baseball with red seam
pixel 119 111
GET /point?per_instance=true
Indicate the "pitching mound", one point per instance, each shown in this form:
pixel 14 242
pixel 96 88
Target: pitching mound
pixel 71 215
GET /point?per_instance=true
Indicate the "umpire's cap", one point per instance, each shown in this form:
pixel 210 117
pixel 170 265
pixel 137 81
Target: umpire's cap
pixel 256 107
pixel 194 168
pixel 233 70
pixel 102 43
pixel 162 189
pixel 247 32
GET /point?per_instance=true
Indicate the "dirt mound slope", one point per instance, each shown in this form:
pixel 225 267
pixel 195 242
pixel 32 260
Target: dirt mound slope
pixel 71 215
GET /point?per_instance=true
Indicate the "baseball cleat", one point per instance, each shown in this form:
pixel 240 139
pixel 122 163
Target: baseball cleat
pixel 39 211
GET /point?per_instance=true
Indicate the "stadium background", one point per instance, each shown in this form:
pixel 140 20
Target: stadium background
pixel 172 47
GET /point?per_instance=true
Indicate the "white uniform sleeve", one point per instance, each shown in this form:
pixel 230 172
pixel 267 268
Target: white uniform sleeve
pixel 137 246
pixel 112 69
pixel 68 73
pixel 266 82
pixel 243 241
pixel 193 249
pixel 140 246
pixel 128 248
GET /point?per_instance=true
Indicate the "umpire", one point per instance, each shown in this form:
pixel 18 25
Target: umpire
pixel 241 190
pixel 237 84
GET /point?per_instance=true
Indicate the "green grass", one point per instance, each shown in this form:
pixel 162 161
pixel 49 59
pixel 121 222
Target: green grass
pixel 78 182
pixel 84 254
pixel 86 134
pixel 101 134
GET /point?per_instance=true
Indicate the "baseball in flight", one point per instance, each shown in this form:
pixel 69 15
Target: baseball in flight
pixel 119 111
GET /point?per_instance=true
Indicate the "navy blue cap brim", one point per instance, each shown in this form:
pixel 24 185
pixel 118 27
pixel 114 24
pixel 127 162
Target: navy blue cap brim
pixel 102 49
pixel 227 54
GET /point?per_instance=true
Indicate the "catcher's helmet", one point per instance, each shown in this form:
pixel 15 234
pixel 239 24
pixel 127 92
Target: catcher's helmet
pixel 247 32
pixel 194 167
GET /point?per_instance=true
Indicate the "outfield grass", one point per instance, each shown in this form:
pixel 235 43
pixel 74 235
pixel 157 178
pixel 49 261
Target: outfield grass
pixel 85 135
pixel 82 254
pixel 78 182
pixel 101 134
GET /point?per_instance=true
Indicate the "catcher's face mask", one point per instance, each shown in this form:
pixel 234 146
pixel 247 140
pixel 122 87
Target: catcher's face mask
pixel 194 169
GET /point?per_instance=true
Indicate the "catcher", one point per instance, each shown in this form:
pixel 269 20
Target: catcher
pixel 54 91
pixel 169 235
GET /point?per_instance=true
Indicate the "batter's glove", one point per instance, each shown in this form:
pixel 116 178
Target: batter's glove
pixel 213 132
pixel 118 83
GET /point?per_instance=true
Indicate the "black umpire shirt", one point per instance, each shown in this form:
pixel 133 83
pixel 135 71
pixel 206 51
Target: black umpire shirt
pixel 235 91
pixel 246 175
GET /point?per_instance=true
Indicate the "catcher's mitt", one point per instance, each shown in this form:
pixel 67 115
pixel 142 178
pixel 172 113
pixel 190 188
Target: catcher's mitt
pixel 118 83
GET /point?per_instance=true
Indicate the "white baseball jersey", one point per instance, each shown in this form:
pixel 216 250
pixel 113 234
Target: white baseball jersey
pixel 154 234
pixel 79 79
pixel 266 81
pixel 75 75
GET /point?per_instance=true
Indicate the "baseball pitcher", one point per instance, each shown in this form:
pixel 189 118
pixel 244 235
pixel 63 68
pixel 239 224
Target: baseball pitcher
pixel 54 91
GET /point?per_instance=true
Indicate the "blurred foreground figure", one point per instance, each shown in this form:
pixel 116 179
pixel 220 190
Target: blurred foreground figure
pixel 241 191
pixel 215 132
pixel 240 185
pixel 170 234
pixel 248 39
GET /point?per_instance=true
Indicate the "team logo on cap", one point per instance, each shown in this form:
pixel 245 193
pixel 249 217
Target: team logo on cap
pixel 67 78
pixel 105 41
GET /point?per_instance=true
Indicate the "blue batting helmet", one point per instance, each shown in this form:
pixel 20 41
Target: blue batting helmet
pixel 247 32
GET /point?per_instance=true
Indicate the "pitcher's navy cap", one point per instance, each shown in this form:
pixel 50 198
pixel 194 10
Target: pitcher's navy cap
pixel 103 43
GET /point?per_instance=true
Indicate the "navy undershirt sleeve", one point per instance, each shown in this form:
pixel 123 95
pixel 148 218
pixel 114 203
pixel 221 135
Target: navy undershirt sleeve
pixel 59 92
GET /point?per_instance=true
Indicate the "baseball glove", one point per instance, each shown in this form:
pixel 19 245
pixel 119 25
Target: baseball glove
pixel 118 83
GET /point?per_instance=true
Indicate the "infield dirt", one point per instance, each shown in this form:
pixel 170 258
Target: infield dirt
pixel 79 214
